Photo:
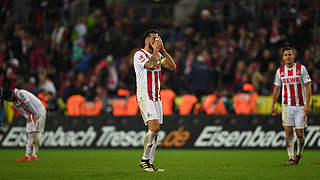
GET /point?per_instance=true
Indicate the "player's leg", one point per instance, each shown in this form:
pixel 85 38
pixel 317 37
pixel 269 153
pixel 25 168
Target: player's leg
pixel 153 128
pixel 148 143
pixel 35 145
pixel 289 142
pixel 150 119
pixel 29 140
pixel 288 123
pixel 158 107
pixel 36 129
pixel 300 125
pixel 300 143
pixel 153 149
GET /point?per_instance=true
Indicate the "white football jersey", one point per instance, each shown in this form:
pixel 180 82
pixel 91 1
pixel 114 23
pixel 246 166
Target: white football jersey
pixel 28 104
pixel 292 81
pixel 148 81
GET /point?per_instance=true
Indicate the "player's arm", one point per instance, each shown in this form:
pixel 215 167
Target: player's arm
pixel 308 97
pixel 169 62
pixel 275 95
pixel 23 112
pixel 307 82
pixel 33 110
pixel 152 63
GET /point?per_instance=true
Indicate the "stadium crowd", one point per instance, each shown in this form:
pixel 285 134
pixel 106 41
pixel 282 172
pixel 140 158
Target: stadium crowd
pixel 60 55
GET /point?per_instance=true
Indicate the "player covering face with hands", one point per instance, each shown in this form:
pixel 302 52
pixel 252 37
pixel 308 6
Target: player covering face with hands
pixel 147 64
pixel 35 113
pixel 296 93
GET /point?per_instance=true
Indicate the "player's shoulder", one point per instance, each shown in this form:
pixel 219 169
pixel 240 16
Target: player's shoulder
pixel 139 52
pixel 279 69
pixel 300 65
pixel 140 56
pixel 21 94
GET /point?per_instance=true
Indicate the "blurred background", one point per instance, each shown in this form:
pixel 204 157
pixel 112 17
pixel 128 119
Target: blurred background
pixel 77 55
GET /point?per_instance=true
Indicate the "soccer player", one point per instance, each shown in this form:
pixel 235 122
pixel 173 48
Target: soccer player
pixel 296 93
pixel 147 65
pixel 35 113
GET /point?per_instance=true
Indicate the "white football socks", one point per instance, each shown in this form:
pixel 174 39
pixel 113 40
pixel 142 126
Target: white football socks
pixel 35 144
pixel 29 144
pixel 148 144
pixel 153 148
pixel 290 146
pixel 300 143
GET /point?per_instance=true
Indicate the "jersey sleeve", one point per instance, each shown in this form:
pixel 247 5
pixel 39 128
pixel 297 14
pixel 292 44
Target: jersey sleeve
pixel 22 111
pixel 277 81
pixel 305 76
pixel 140 58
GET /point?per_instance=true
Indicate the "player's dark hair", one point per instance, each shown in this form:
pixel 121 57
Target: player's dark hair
pixel 148 32
pixel 288 47
pixel 6 93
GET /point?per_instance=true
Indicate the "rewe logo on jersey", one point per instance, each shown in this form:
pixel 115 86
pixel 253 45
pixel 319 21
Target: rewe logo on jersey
pixel 291 80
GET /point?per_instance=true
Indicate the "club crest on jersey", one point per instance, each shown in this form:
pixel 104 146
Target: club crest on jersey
pixel 21 96
pixel 281 74
pixel 298 72
pixel 141 58
pixel 149 115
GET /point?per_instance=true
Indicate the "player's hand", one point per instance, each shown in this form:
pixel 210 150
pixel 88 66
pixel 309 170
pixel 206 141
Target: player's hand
pixel 162 50
pixel 307 109
pixel 273 112
pixel 157 44
pixel 29 119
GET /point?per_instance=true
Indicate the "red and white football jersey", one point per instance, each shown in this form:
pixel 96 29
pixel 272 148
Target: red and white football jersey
pixel 28 104
pixel 148 81
pixel 292 81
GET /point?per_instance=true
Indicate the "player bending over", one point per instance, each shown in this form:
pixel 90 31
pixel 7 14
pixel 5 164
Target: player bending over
pixel 35 113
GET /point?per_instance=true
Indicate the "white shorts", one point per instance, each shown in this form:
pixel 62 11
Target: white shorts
pixel 294 116
pixel 37 126
pixel 150 110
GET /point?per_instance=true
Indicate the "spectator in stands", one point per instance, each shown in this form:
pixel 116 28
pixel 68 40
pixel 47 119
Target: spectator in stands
pixel 214 104
pixel 58 36
pixel 81 82
pixel 30 85
pixel 68 88
pixel 53 106
pixel 200 76
pixel 207 27
pixel 39 58
pixel 80 30
pixel 245 100
pixel 83 64
pixel 108 76
pixel 276 32
pixel 9 77
pixel 45 83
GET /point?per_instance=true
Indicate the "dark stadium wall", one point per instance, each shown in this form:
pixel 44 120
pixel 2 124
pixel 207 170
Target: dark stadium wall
pixel 226 132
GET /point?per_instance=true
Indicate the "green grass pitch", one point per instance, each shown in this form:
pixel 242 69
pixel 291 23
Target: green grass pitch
pixel 179 164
